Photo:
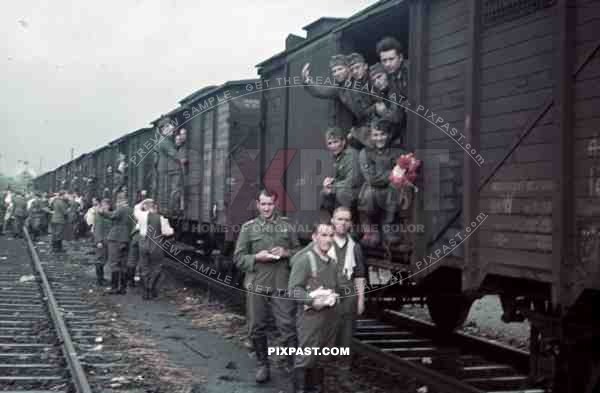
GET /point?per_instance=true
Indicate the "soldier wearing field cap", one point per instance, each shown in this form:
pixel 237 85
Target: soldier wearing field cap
pixel 58 212
pixel 341 189
pixel 118 243
pixel 153 229
pixel 388 104
pixel 100 230
pixel 263 250
pixel 351 99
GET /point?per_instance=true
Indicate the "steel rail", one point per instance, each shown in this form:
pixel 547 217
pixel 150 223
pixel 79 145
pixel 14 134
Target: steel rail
pixel 77 374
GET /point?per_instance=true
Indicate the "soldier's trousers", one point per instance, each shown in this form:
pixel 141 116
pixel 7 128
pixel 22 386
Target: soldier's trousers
pixel 346 319
pixel 57 232
pixel 101 253
pixel 134 254
pixel 315 329
pixel 18 226
pixel 283 309
pixel 151 262
pixel 117 256
pixel 380 207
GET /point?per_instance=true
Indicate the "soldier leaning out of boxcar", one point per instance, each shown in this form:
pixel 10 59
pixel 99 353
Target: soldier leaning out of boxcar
pixel 363 101
pixel 378 200
pixel 348 91
pixel 313 284
pixel 391 56
pixel 153 229
pixel 264 247
pixel 341 189
pixel 387 106
pixel 101 228
pixel 118 243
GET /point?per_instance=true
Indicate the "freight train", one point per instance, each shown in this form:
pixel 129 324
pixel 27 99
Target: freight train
pixel 502 108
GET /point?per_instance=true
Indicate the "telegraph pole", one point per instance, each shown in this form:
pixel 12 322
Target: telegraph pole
pixel 72 153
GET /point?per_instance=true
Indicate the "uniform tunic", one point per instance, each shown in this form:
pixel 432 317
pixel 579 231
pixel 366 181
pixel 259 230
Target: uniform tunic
pixel 101 229
pixel 152 254
pixel 348 294
pixel 57 221
pixel 315 328
pixel 118 237
pixel 346 181
pixel 269 278
pixel 20 214
pixel 378 198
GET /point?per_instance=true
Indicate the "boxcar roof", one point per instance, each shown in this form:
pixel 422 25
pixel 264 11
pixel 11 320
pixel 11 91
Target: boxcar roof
pixel 214 88
pixel 126 136
pixel 343 24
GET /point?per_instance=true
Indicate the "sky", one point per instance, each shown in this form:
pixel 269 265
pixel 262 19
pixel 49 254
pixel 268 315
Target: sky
pixel 79 74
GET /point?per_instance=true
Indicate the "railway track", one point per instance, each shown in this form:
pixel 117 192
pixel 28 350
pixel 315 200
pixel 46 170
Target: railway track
pixel 50 339
pixel 454 363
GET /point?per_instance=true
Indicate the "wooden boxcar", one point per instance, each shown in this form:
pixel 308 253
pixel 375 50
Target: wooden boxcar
pixel 501 109
pixel 222 140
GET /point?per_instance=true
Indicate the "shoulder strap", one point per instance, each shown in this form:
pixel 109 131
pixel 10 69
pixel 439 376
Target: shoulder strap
pixel 313 264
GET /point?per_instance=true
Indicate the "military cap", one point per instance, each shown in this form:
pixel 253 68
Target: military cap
pixel 354 58
pixel 337 60
pixel 335 132
pixel 375 69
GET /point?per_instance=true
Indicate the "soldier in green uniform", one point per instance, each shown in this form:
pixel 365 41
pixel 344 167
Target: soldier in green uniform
pixel 57 220
pixel 44 206
pixel 388 104
pixel 101 229
pixel 262 252
pixel 153 229
pixel 378 200
pixel 343 188
pixel 347 92
pixel 391 56
pixel 36 216
pixel 317 318
pixel 351 270
pixel 118 243
pixel 19 213
pixel 134 256
pixel 363 101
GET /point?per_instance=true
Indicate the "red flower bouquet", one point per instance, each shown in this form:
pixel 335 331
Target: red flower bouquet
pixel 405 172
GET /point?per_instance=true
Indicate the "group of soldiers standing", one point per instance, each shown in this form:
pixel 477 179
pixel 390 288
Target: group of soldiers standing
pixel 60 214
pixel 127 238
pixel 314 293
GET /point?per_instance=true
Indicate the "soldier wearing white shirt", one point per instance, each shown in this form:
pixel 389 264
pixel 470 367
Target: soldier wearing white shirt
pixel 153 229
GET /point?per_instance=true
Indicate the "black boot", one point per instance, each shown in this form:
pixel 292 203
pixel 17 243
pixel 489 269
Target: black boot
pixel 114 283
pixel 122 283
pixel 299 380
pixel 262 360
pixel 100 275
